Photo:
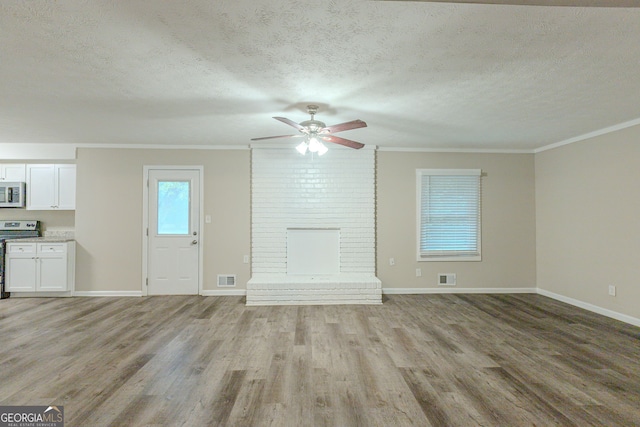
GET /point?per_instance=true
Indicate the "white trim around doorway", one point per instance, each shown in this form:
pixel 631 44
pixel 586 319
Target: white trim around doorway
pixel 145 222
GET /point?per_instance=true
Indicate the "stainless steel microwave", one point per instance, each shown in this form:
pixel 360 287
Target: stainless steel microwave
pixel 12 195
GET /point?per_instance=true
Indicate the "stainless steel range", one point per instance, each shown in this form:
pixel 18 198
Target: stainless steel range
pixel 14 230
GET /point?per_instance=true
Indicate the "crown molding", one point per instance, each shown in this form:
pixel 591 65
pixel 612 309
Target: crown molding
pixel 455 150
pixel 165 147
pixel 287 146
pixel 44 151
pixel 589 135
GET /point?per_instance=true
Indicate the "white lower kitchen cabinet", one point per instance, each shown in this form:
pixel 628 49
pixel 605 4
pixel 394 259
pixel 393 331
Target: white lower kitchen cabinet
pixel 40 266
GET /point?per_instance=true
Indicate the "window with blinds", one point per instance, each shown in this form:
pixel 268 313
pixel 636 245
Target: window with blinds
pixel 449 206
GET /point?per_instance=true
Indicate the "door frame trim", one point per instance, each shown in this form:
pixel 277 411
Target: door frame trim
pixel 145 221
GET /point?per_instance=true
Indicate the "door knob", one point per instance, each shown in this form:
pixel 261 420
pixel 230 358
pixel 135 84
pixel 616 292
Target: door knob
pixel 195 242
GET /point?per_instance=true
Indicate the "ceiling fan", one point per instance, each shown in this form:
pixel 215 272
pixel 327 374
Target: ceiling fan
pixel 315 131
pixel 575 3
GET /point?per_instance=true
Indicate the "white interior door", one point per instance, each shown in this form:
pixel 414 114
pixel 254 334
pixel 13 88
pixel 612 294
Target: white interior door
pixel 174 232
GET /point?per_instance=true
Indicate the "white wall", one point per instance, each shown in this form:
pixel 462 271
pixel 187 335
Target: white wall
pixel 110 192
pixel 508 222
pixel 50 220
pixel 566 219
pixel 588 220
pixel 109 214
pixel 336 190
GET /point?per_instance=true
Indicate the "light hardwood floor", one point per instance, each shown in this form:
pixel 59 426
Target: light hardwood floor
pixel 441 360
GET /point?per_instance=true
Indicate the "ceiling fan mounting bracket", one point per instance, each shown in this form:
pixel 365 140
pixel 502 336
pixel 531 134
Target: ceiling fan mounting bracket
pixel 312 110
pixel 313 126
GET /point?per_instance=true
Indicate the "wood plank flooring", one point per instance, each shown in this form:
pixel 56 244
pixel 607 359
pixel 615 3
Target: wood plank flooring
pixel 417 360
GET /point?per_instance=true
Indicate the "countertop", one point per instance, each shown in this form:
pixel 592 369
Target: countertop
pixel 43 240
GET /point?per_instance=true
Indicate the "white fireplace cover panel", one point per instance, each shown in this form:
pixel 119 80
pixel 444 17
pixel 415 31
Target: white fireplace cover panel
pixel 313 251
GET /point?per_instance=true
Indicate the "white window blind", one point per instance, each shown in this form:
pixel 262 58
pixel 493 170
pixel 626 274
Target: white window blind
pixel 449 206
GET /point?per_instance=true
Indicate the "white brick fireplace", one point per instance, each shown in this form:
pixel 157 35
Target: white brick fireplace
pixel 313 227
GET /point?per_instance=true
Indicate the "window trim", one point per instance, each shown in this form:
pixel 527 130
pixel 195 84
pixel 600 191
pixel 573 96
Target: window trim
pixel 445 172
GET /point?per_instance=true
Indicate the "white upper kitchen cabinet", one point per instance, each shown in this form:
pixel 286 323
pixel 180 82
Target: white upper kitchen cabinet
pixel 13 172
pixel 66 183
pixel 51 187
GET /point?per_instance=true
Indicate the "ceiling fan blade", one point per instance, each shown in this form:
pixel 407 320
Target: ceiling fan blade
pixel 277 136
pixel 574 3
pixel 354 124
pixel 291 123
pixel 342 141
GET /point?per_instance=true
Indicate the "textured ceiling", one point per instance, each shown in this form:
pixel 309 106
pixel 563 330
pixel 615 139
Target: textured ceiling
pixel 422 75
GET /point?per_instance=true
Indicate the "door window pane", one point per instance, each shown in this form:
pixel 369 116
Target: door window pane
pixel 173 207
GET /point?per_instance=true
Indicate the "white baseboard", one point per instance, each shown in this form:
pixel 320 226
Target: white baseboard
pixel 456 290
pixel 453 290
pixel 390 291
pixel 594 308
pixel 223 292
pixel 107 294
pixel 206 293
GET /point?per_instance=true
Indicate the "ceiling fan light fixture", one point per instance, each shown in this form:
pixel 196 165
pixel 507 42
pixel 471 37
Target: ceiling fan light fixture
pixel 302 148
pixel 322 149
pixel 315 146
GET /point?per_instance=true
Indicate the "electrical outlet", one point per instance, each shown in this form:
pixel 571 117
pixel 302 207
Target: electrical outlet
pixel 392 261
pixel 612 290
pixel 245 259
pixel 418 272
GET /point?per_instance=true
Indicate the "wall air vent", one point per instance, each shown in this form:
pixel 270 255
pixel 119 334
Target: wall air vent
pixel 446 279
pixel 226 280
